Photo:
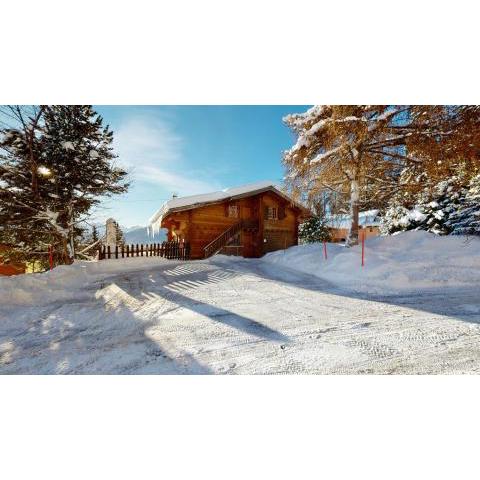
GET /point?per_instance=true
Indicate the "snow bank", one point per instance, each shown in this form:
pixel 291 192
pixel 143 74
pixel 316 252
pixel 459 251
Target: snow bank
pixel 404 262
pixel 67 282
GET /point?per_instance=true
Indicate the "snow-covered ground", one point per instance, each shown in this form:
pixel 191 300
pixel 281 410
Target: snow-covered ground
pixel 408 261
pixel 229 315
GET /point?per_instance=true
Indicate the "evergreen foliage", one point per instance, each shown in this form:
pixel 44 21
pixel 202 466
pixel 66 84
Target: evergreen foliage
pixel 465 219
pixel 373 153
pixel 119 237
pixel 94 234
pixel 54 168
pixel 314 230
pixel 453 207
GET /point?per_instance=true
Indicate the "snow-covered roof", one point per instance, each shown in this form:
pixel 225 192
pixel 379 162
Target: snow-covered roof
pixel 368 218
pixel 194 201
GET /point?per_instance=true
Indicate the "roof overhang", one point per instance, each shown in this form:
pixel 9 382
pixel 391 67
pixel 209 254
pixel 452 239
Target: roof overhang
pixel 162 214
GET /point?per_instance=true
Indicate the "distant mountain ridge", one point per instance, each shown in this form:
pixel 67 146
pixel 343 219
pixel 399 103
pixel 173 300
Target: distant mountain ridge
pixel 140 234
pixel 136 234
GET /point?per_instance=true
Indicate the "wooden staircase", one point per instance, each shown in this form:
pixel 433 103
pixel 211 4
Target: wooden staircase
pixel 218 243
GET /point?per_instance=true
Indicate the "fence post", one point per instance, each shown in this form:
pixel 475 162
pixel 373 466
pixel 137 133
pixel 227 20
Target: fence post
pixel 363 249
pixel 50 256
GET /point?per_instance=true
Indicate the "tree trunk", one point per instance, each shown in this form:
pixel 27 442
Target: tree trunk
pixel 354 211
pixel 71 235
pixel 66 252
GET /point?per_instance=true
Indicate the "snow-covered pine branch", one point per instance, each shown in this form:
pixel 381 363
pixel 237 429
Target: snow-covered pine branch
pixel 57 164
pixel 365 148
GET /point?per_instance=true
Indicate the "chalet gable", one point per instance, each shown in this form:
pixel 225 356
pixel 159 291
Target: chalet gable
pixel 227 195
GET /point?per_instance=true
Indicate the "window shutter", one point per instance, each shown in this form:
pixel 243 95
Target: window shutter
pixel 281 212
pixel 265 213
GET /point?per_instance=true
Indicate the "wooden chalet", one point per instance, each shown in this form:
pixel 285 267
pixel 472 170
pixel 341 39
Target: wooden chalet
pixel 9 268
pixel 368 223
pixel 248 221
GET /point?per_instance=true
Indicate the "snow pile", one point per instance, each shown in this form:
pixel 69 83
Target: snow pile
pixel 67 282
pixel 404 262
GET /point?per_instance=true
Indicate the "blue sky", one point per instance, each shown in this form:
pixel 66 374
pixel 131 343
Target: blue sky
pixel 190 150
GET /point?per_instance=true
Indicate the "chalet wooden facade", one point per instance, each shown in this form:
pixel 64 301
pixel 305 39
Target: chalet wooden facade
pixel 9 268
pixel 248 221
pixel 339 225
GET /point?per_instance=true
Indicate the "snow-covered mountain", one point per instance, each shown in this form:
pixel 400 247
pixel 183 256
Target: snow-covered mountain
pixel 130 229
pixel 136 234
pixel 139 234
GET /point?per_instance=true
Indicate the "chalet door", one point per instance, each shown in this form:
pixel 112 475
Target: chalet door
pixel 246 212
pixel 247 243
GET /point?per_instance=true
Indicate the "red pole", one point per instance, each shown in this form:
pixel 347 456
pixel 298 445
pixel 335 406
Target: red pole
pixel 325 249
pixel 363 249
pixel 50 256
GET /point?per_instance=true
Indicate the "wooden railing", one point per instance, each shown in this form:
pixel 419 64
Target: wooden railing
pixel 221 241
pixel 170 250
pixel 214 246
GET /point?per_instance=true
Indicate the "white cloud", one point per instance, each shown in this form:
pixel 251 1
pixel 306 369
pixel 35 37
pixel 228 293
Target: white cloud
pixel 149 148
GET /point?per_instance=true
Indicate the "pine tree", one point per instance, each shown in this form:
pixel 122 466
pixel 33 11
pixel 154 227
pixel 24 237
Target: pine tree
pixel 396 219
pixel 77 150
pixel 343 148
pixel 49 184
pixel 22 184
pixel 361 151
pixel 432 211
pixel 94 234
pixel 465 219
pixel 314 230
pixel 119 237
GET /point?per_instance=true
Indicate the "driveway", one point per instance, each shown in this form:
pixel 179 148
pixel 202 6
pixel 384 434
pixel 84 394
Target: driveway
pixel 233 316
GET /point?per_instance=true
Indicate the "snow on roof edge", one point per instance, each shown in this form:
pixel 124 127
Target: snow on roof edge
pixel 193 201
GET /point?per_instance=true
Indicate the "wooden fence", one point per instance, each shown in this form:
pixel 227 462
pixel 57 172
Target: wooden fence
pixel 170 250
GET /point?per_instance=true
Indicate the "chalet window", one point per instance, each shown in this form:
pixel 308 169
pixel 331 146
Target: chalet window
pixel 233 211
pixel 272 213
